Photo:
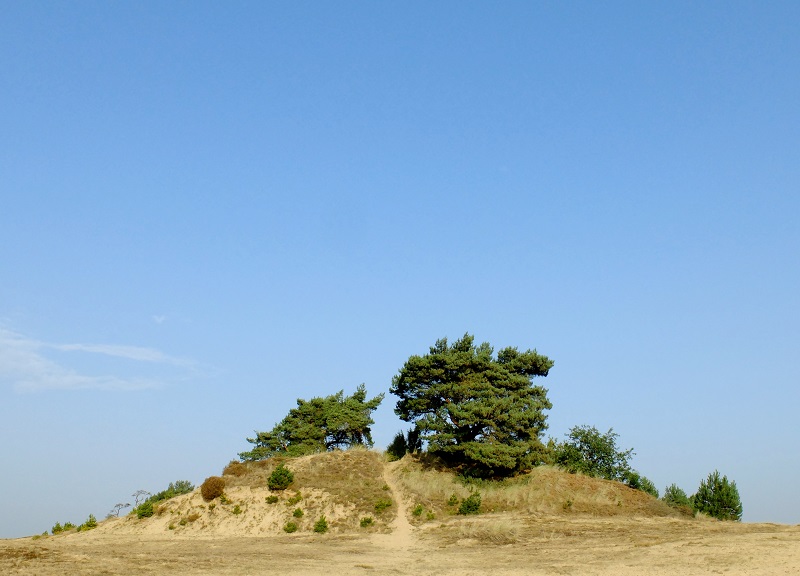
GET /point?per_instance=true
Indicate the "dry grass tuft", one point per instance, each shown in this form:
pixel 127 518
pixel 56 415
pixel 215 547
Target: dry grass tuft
pixel 491 530
pixel 235 468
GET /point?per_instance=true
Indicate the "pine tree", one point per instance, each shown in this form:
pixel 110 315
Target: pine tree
pixel 718 498
pixel 479 412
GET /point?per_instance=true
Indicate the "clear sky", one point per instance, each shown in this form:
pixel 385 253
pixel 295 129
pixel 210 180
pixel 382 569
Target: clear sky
pixel 210 209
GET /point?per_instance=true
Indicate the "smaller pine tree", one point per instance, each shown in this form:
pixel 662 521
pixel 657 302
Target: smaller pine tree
pixel 280 479
pixel 719 498
pixel 675 497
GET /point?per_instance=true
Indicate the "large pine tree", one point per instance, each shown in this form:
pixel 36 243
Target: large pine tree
pixel 479 412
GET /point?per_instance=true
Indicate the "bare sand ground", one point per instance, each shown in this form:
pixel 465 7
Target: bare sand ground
pixel 489 544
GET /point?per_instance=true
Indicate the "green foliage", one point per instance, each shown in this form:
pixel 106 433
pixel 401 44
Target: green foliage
pixel 453 500
pixel 281 478
pixel 90 523
pixel 404 443
pixel 366 521
pixel 298 513
pixel 290 527
pixel 382 504
pixel 271 499
pixel 675 497
pixel 317 425
pixel 321 525
pixel 237 509
pixel 294 499
pixel 480 413
pixel 398 448
pixel 418 510
pixel 639 482
pixel 212 487
pixel 58 528
pixel 471 504
pixel 718 497
pixel 590 452
pixel 145 509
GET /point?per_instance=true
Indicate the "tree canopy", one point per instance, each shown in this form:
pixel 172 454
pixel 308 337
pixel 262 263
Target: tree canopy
pixel 318 425
pixel 718 497
pixel 477 411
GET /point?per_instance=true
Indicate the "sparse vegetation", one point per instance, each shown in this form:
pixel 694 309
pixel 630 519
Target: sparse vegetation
pixel 453 500
pixel 281 478
pixel 212 487
pixel 146 508
pixel 366 521
pixel 91 523
pixel 382 504
pixel 298 513
pixel 418 510
pixel 294 499
pixel 237 509
pixel 58 528
pixel 271 499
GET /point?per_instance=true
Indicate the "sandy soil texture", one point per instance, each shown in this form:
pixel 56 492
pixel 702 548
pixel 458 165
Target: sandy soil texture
pixel 488 544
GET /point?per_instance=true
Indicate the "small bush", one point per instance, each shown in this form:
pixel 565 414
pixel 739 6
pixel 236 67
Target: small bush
pixel 237 509
pixel 453 500
pixel 280 479
pixel 321 525
pixel 639 482
pixel 675 497
pixel 183 522
pixel 212 487
pixel 234 468
pixel 418 509
pixel 471 504
pixel 382 505
pixel 298 513
pixel 90 523
pixel 290 527
pixel 294 499
pixel 223 499
pixel 144 510
pixel 430 515
pixel 193 517
pixel 211 507
pixel 57 528
pixel 272 499
pixel 366 521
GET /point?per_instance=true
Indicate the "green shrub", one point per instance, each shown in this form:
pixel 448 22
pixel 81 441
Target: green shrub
pixel 418 509
pixel 90 523
pixel 57 528
pixel 272 499
pixel 298 513
pixel 430 515
pixel 144 510
pixel 718 497
pixel 382 505
pixel 237 509
pixel 366 521
pixel 398 448
pixel 588 451
pixel 290 527
pixel 212 487
pixel 294 499
pixel 675 497
pixel 321 525
pixel 280 479
pixel 223 499
pixel 639 482
pixel 453 500
pixel 471 504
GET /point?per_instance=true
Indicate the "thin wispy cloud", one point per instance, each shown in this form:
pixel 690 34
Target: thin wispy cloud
pixel 25 365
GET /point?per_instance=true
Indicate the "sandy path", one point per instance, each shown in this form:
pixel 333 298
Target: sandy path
pixel 402 535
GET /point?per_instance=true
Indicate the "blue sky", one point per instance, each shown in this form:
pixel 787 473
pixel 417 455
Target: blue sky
pixel 212 209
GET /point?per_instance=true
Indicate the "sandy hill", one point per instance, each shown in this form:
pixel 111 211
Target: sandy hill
pixel 542 523
pixel 350 486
